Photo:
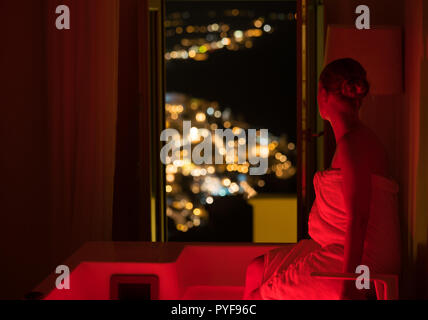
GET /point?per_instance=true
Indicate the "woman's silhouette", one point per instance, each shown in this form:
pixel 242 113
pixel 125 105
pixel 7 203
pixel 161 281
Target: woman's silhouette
pixel 354 218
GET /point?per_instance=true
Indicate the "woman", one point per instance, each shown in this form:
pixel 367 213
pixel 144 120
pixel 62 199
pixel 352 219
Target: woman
pixel 354 218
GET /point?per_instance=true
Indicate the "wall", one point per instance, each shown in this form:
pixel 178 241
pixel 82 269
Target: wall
pixel 416 115
pixel 274 219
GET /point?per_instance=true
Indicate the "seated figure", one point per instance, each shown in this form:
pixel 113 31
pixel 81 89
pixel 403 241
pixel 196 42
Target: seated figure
pixel 354 219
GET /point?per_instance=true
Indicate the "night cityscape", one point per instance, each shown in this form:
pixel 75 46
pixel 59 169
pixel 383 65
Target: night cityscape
pixel 229 66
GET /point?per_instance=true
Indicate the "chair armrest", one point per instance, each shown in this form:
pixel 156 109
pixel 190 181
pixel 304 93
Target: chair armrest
pixel 386 284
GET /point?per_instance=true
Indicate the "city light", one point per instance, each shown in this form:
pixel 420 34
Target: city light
pixel 194 189
pixel 202 40
pixel 191 187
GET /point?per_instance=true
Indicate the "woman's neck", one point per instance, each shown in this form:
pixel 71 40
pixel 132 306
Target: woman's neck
pixel 342 123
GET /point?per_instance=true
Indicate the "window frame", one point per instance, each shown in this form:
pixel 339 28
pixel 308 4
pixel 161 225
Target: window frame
pixel 152 71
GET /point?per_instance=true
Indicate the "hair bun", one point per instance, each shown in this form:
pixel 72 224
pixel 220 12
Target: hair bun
pixel 345 78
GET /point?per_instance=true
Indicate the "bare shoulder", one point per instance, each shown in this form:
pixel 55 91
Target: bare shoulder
pixel 363 147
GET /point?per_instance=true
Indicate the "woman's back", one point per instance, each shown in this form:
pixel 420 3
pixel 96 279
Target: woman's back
pixel 381 241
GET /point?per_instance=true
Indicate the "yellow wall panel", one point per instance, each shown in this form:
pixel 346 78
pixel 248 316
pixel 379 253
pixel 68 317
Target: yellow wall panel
pixel 275 219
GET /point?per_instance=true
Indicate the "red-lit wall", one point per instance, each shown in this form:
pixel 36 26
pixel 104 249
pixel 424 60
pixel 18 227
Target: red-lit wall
pixel 416 115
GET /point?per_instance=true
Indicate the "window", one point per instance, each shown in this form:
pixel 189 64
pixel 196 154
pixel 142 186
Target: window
pixel 231 66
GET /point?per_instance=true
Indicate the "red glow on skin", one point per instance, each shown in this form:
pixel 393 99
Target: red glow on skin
pixel 359 155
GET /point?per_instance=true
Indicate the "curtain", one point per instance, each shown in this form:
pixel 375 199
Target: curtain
pixel 24 216
pixel 82 72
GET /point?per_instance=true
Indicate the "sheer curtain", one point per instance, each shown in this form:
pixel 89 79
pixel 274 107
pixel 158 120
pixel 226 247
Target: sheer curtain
pixel 82 68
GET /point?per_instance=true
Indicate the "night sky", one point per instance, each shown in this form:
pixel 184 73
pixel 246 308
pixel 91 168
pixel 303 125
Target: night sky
pixel 257 84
